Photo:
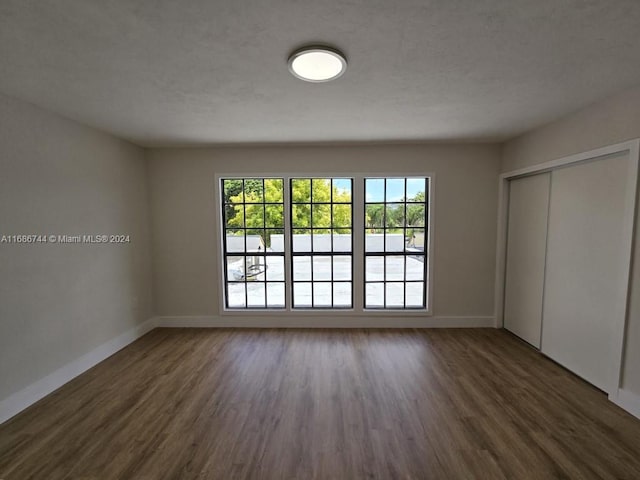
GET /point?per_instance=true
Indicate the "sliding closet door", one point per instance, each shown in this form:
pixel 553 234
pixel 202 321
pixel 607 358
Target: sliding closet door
pixel 526 247
pixel 584 268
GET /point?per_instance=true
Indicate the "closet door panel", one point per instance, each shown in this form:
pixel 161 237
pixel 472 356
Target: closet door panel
pixel 526 247
pixel 583 267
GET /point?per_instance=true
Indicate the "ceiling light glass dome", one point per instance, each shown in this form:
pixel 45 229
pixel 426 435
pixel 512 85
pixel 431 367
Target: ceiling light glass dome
pixel 317 64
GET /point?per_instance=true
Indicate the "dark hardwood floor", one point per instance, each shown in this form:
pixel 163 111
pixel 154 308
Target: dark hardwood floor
pixel 326 404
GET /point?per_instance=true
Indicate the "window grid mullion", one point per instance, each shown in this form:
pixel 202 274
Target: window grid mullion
pixel 264 232
pixel 384 245
pixel 287 209
pixel 244 259
pixel 313 295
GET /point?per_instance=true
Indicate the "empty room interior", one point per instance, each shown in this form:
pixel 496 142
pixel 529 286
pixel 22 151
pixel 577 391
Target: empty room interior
pixel 319 240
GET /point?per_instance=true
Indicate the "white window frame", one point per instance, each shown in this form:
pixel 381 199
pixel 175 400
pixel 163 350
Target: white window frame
pixel 357 232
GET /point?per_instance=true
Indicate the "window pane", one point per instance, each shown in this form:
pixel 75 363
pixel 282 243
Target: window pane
pixel 234 216
pixel 415 294
pixel 254 215
pixel 275 216
pixel 342 294
pixel 342 216
pixel 342 240
pixel 256 268
pixel 415 267
pixel 321 268
pixel 395 294
pixel 253 192
pixel 342 190
pixel 394 216
pixel 322 296
pixel 321 190
pixel 240 268
pixel 274 240
pixel 374 240
pixel 236 295
pixel 321 217
pixel 321 241
pixel 415 239
pixel 232 191
pixel 374 190
pixel 395 190
pixel 255 241
pixel 301 241
pixel 415 215
pixel 301 215
pixel 301 190
pixel 375 215
pixel 416 189
pixel 301 268
pixel 342 267
pixel 374 268
pixel 275 268
pixel 255 294
pixel 275 294
pixel 374 295
pixel 235 269
pixel 302 294
pixel 395 268
pixel 274 190
pixel 235 241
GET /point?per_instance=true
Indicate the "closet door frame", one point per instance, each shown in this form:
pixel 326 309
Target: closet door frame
pixel 619 316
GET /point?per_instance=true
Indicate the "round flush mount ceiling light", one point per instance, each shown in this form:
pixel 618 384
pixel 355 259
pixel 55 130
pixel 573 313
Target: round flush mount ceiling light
pixel 317 64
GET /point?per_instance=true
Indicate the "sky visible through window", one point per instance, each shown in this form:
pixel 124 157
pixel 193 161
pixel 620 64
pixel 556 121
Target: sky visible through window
pixel 342 184
pixel 395 189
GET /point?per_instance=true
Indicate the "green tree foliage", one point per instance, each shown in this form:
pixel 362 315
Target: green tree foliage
pixel 416 212
pixel 419 197
pixel 232 189
pixel 254 215
pixel 375 215
pixel 255 208
pixel 394 216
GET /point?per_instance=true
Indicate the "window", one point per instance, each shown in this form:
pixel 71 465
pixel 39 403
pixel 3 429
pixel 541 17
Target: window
pixel 293 243
pixel 322 246
pixel 395 233
pixel 253 225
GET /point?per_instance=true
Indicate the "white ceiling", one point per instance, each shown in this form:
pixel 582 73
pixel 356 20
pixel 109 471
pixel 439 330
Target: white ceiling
pixel 167 72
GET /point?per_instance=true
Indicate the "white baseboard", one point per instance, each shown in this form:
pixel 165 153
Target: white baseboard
pixel 628 401
pixel 319 321
pixel 26 397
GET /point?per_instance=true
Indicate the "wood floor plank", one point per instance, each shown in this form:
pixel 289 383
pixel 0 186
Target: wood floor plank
pixel 323 404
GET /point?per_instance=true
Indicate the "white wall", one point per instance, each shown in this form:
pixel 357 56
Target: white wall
pixel 186 263
pixel 610 121
pixel 59 302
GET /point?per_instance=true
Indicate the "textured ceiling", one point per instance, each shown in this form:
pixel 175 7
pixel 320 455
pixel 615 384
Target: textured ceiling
pixel 167 72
